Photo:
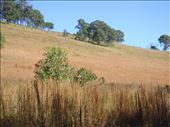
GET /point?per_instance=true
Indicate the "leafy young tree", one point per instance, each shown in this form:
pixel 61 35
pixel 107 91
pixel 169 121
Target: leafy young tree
pixel 54 65
pixel 165 40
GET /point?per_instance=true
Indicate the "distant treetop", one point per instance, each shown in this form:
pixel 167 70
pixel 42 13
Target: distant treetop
pixel 20 12
pixel 165 40
pixel 98 31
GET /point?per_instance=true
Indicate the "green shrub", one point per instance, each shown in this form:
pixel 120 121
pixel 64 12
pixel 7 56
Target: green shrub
pixel 54 65
pixel 83 76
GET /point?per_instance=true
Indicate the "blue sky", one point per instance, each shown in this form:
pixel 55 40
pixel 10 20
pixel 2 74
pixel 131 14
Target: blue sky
pixel 142 22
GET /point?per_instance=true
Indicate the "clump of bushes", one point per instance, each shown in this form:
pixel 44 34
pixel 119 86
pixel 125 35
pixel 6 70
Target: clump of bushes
pixel 55 66
pixel 83 75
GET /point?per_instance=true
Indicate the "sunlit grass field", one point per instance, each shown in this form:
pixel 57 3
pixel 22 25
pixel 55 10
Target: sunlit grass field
pixel 136 92
pixel 118 63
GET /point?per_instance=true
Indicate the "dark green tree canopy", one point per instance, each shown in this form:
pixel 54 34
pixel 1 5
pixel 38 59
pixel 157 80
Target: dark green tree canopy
pixel 165 40
pixel 37 18
pixel 21 6
pixel 20 12
pixel 119 36
pixel 9 11
pixel 83 27
pixel 98 31
pixel 49 25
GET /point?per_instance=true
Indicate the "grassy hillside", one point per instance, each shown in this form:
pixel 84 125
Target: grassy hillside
pixel 120 63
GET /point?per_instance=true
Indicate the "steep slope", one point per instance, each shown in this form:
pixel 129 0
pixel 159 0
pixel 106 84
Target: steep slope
pixel 125 64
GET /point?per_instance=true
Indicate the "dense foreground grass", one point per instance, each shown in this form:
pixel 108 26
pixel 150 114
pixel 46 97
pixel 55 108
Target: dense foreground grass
pixel 69 105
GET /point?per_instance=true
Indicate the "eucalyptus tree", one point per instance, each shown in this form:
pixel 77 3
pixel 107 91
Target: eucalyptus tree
pixel 165 40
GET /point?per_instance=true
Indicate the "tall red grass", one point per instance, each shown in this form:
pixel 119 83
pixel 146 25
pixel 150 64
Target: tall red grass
pixel 69 105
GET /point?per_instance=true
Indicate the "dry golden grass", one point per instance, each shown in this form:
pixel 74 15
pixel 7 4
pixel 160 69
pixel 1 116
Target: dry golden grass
pixel 124 64
pixel 69 105
pixel 24 103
